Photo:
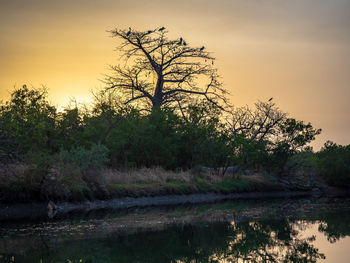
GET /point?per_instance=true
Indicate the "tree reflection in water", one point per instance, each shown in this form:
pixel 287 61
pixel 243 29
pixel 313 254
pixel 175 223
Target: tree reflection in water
pixel 247 241
pixel 269 241
pixel 254 240
pixel 334 228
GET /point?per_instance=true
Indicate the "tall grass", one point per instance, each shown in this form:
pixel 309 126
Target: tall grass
pixel 69 183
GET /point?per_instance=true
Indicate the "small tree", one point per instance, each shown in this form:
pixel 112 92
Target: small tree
pixel 296 134
pixel 334 164
pixel 268 123
pixel 28 120
pixel 267 131
pixel 163 73
pixel 258 124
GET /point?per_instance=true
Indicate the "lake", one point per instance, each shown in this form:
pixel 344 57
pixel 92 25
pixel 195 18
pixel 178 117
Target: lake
pixel 275 230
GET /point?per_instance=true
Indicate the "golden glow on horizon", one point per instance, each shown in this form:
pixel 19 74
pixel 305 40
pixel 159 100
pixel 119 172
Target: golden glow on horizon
pixel 295 51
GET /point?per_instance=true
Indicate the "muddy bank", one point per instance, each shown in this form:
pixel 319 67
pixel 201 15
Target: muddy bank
pixel 128 202
pixel 42 210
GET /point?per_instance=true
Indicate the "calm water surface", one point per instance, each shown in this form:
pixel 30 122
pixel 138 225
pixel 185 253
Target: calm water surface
pixel 300 230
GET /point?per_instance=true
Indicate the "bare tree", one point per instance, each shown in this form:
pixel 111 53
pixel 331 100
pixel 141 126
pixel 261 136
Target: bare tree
pixel 268 123
pixel 258 124
pixel 163 73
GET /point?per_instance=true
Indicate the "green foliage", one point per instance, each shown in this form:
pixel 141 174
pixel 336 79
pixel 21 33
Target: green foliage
pixel 72 180
pixel 190 135
pixel 39 162
pixel 95 157
pixel 296 134
pixel 266 136
pixel 7 148
pixel 40 159
pixel 227 185
pixel 292 138
pixel 28 120
pixel 106 114
pixel 144 140
pixel 334 164
pixel 305 160
pixel 180 187
pixel 203 138
pixel 70 125
pixel 250 153
pixel 230 185
pixel 202 184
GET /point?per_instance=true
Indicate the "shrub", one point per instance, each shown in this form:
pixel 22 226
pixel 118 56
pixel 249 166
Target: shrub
pixel 95 157
pixel 306 160
pixel 202 138
pixel 144 140
pixel 334 164
pixel 28 120
pixel 249 153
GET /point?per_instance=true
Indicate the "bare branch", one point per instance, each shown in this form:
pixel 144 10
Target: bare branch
pixel 158 69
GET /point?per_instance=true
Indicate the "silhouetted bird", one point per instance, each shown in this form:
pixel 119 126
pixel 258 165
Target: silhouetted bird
pixel 129 32
pixel 185 43
pixel 149 31
pixel 180 41
pixel 202 48
pixel 270 99
pixel 161 29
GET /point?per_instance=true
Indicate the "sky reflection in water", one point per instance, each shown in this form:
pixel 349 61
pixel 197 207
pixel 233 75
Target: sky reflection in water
pixel 224 232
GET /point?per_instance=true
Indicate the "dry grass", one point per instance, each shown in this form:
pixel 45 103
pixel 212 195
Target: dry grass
pixel 255 178
pixel 72 183
pixel 144 175
pixel 12 173
pixel 15 173
pixel 213 176
pixel 155 175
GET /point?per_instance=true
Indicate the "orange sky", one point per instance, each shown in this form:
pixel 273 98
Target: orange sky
pixel 295 51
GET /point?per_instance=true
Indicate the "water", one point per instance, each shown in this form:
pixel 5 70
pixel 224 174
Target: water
pixel 300 230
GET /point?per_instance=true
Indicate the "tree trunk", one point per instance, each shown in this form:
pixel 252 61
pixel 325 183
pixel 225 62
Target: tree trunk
pixel 157 102
pixel 158 94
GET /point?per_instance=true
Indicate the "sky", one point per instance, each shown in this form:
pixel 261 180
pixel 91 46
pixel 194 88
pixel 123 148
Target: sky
pixel 297 52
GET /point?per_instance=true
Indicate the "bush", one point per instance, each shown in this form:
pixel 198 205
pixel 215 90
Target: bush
pixel 202 138
pixel 334 164
pixel 306 160
pixel 95 157
pixel 27 121
pixel 250 153
pixel 144 140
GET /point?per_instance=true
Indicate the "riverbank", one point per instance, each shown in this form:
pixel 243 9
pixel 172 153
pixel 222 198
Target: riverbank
pixel 72 189
pixel 34 211
pixel 23 183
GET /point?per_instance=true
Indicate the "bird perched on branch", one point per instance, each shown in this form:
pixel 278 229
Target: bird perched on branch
pixel 176 70
pixel 202 48
pixel 270 99
pixel 129 32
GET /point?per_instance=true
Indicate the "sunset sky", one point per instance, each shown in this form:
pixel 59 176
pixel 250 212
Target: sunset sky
pixel 296 51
